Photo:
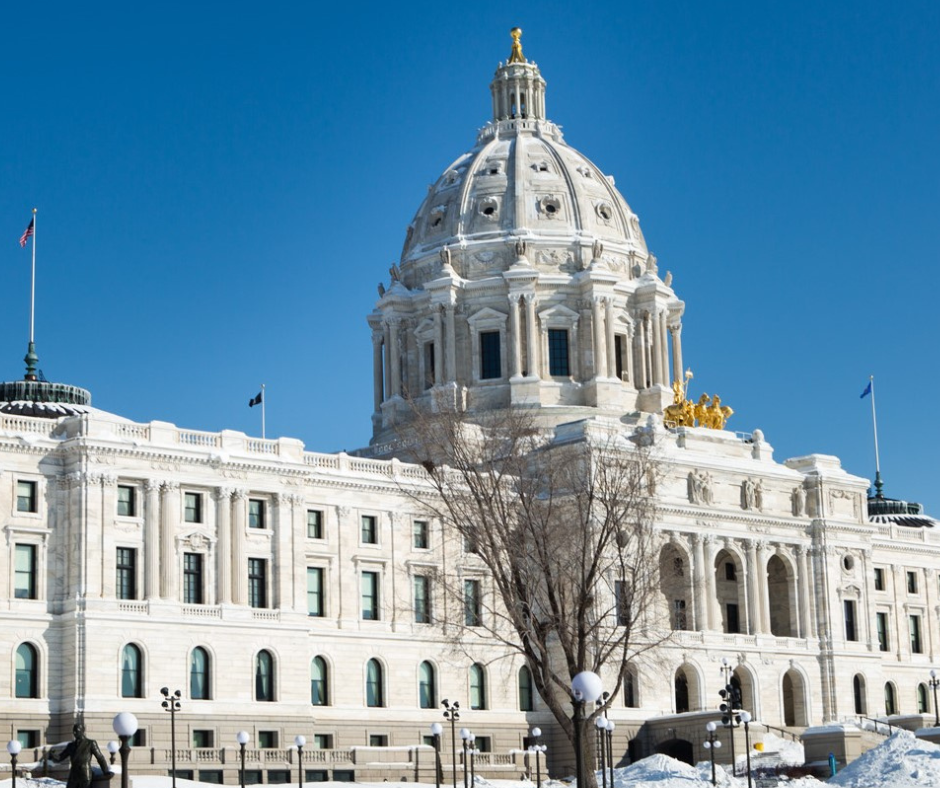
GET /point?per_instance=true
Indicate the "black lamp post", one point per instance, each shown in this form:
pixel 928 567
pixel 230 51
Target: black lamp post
pixel 113 749
pixel 125 726
pixel 452 713
pixel 465 736
pixel 436 730
pixel 538 749
pixel 14 747
pixel 300 741
pixel 610 749
pixel 600 723
pixel 934 683
pixel 242 738
pixel 474 752
pixel 746 718
pixel 171 703
pixel 711 745
pixel 585 688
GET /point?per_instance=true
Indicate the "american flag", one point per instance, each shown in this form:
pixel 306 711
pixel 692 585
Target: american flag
pixel 28 232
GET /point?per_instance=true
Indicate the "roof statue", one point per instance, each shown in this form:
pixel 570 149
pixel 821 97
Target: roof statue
pixel 516 56
pixel 707 412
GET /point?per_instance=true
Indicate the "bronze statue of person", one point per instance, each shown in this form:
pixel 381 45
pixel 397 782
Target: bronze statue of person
pixel 80 751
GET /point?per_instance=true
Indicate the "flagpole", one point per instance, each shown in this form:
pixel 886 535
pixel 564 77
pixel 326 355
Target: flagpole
pixel 32 359
pixel 874 424
pixel 263 398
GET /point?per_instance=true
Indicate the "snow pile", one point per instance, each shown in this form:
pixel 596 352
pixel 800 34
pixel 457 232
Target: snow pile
pixel 782 750
pixel 903 761
pixel 661 770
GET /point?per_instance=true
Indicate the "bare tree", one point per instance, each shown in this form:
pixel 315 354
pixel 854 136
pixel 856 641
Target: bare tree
pixel 565 530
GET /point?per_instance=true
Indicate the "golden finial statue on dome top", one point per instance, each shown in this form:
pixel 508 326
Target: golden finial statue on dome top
pixel 516 56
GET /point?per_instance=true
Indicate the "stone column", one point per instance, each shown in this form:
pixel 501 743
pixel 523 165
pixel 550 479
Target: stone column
pixel 438 347
pixel 282 569
pixel 600 339
pixel 628 352
pixel 450 349
pixel 239 551
pixel 515 340
pixel 152 540
pixel 698 582
pixel 223 501
pixel 395 351
pixel 762 587
pixel 531 336
pixel 611 342
pixel 377 373
pixel 662 336
pixel 387 346
pixel 171 510
pixel 676 330
pixel 711 589
pixel 753 588
pixel 639 345
pixel 651 324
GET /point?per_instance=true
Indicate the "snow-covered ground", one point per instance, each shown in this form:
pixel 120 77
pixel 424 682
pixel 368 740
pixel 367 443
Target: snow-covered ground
pixel 902 761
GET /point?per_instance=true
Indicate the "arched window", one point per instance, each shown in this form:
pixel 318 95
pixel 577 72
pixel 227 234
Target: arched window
pixel 630 688
pixel 375 689
pixel 858 687
pixel 891 704
pixel 682 692
pixel 477 686
pixel 922 702
pixel 199 687
pixel 319 688
pixel 27 672
pixel 526 690
pixel 427 686
pixel 132 673
pixel 264 676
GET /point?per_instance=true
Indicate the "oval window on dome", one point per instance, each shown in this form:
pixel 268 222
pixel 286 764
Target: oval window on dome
pixel 605 211
pixel 550 206
pixel 489 207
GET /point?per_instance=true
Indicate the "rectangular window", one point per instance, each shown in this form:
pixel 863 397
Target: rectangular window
pixel 192 579
pixel 370 596
pixel 620 342
pixel 314 524
pixel 278 777
pixel 419 531
pixel 255 513
pixel 881 626
pixel 491 365
pixel 916 644
pixel 483 743
pixel 879 579
pixel 731 573
pixel 126 501
pixel 211 776
pixel 422 600
pixel 193 507
pixel 851 633
pixel 28 738
pixel 202 739
pixel 267 740
pixel 24 583
pixel 139 739
pixel 428 365
pixel 378 740
pixel 732 619
pixel 314 591
pixel 622 601
pixel 679 620
pixel 558 365
pixel 912 582
pixel 26 497
pixel 126 581
pixel 323 741
pixel 370 530
pixel 472 613
pixel 257 582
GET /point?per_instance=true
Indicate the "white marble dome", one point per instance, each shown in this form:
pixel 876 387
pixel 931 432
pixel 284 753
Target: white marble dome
pixel 521 181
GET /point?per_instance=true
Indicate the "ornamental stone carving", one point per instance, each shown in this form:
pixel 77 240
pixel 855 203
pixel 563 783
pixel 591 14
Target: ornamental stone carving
pixel 700 487
pixel 798 501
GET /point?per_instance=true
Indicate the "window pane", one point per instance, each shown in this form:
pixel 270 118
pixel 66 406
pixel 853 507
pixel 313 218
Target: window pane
pixel 255 513
pixel 26 496
pixel 558 352
pixel 369 529
pixel 264 677
pixel 471 591
pixel 126 583
pixel 427 693
pixel 24 583
pixel 314 524
pixel 199 674
pixel 192 507
pixel 318 682
pixel 131 684
pixel 477 687
pixel 420 531
pixel 370 596
pixel 257 582
pixel 526 694
pixel 27 679
pixel 374 688
pixel 490 361
pixel 192 578
pixel 314 591
pixel 422 600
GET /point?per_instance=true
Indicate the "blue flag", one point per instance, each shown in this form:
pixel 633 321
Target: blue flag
pixel 867 391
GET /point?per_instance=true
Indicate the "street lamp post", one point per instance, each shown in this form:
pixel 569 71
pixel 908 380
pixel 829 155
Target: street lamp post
pixel 538 749
pixel 113 749
pixel 585 688
pixel 14 747
pixel 610 749
pixel 473 759
pixel 300 741
pixel 452 713
pixel 746 718
pixel 436 730
pixel 125 726
pixel 934 683
pixel 465 736
pixel 242 738
pixel 171 703
pixel 601 724
pixel 711 745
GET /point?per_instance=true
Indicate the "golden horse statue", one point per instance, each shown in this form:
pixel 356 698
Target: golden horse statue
pixel 707 412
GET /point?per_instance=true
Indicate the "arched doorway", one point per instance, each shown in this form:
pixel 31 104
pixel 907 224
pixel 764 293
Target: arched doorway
pixel 680 749
pixel 729 588
pixel 780 590
pixel 794 700
pixel 681 692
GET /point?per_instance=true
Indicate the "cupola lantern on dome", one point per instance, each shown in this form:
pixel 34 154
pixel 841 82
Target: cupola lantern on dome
pixel 524 280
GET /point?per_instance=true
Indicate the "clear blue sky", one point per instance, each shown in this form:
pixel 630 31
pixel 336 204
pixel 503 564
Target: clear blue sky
pixel 222 185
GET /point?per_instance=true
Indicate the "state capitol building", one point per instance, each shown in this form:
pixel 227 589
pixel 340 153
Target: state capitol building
pixel 286 591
